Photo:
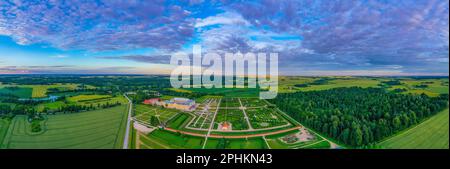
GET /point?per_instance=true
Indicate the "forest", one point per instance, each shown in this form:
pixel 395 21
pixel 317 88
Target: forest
pixel 359 116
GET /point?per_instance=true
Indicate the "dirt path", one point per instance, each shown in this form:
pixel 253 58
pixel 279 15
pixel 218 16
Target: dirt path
pixel 212 124
pixel 224 136
pixel 245 115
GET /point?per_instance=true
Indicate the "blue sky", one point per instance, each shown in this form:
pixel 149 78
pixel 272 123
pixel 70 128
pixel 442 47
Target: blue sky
pixel 366 37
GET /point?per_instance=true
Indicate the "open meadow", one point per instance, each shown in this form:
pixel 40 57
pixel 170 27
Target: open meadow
pixel 430 134
pixel 102 129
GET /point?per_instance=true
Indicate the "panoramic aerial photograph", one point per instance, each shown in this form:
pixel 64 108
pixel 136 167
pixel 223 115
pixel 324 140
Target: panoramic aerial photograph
pixel 224 74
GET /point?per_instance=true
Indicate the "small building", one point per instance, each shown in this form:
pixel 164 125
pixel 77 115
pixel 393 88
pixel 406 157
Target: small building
pixel 225 126
pixel 153 101
pixel 181 104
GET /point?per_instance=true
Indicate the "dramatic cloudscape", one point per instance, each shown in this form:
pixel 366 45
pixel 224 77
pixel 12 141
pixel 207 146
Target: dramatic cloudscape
pixel 312 37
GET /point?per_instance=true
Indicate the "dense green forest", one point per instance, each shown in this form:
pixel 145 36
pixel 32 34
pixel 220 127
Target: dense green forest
pixel 359 116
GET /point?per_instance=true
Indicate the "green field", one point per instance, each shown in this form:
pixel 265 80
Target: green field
pixel 84 98
pixel 162 139
pixel 21 92
pixel 39 91
pixel 87 100
pixel 145 112
pixel 99 129
pixel 179 121
pixel 51 105
pixel 4 124
pixel 430 134
pixel 251 143
pixel 435 86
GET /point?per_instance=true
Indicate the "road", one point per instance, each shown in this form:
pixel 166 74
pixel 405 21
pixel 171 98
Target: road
pixel 127 132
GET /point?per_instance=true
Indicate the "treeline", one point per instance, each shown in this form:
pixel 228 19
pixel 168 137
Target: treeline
pixel 182 94
pixel 356 116
pixel 80 108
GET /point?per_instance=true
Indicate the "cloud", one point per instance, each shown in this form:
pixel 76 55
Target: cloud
pixel 159 59
pixel 227 18
pixel 343 35
pixel 374 35
pixel 65 69
pixel 60 56
pixel 97 25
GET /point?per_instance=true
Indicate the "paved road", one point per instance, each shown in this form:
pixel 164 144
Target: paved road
pixel 127 132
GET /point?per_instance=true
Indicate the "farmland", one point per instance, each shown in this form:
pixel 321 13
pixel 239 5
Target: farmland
pixel 433 86
pixel 234 118
pixel 430 134
pixel 4 124
pixel 17 91
pixel 39 91
pixel 95 129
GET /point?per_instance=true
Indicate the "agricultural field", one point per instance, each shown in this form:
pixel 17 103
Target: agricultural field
pixel 21 92
pixel 40 91
pixel 50 106
pixel 4 124
pixel 84 98
pixel 431 86
pixel 293 84
pixel 430 134
pixel 99 129
pixel 87 100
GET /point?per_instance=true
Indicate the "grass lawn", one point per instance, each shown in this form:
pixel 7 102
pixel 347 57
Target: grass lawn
pixel 162 139
pixel 179 121
pixel 251 143
pixel 430 134
pixel 145 112
pixel 99 129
